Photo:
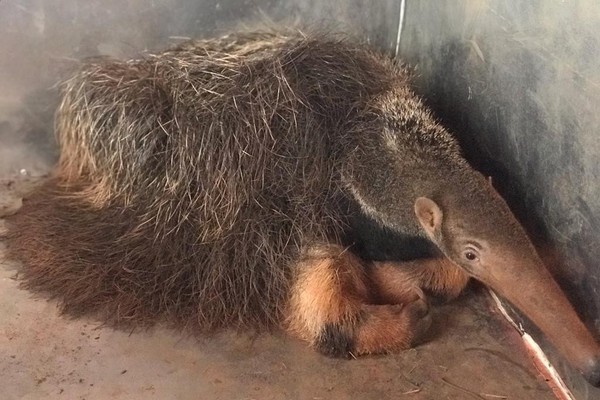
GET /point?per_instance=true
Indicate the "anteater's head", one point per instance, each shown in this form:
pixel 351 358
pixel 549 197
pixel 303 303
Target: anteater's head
pixel 401 158
pixel 473 226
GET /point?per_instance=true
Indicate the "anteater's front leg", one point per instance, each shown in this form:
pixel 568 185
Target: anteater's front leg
pixel 332 305
pixel 438 276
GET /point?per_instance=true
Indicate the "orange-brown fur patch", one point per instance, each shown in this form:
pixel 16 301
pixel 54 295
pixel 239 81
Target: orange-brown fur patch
pixel 332 295
pixel 397 280
pixel 394 284
pixel 330 288
pixel 392 327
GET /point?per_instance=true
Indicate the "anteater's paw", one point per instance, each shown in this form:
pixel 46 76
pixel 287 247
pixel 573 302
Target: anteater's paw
pixel 379 329
pixel 419 320
pixel 392 327
pixel 335 341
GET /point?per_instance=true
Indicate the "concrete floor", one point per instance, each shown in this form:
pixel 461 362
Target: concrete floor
pixel 473 354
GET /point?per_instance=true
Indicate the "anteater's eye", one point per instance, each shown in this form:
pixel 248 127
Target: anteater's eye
pixel 471 256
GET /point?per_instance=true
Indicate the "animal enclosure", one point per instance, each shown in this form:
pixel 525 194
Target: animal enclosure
pixel 518 96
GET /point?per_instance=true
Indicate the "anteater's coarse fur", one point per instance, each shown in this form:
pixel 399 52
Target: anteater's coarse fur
pixel 192 182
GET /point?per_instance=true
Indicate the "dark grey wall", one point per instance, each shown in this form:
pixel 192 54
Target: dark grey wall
pixel 519 82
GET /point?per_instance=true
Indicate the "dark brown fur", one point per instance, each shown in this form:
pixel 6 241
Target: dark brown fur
pixel 193 183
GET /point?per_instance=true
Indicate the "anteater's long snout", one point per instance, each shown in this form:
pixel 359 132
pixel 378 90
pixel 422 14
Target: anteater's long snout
pixel 531 288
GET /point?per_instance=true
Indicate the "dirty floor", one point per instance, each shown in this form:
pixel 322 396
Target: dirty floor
pixel 473 354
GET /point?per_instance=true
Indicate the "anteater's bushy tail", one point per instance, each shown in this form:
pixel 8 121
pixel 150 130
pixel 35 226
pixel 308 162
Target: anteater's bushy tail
pixel 105 261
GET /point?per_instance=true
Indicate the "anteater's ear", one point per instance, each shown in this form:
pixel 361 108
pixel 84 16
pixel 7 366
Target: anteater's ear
pixel 429 215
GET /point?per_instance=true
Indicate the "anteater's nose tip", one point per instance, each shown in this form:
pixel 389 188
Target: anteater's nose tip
pixel 591 371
